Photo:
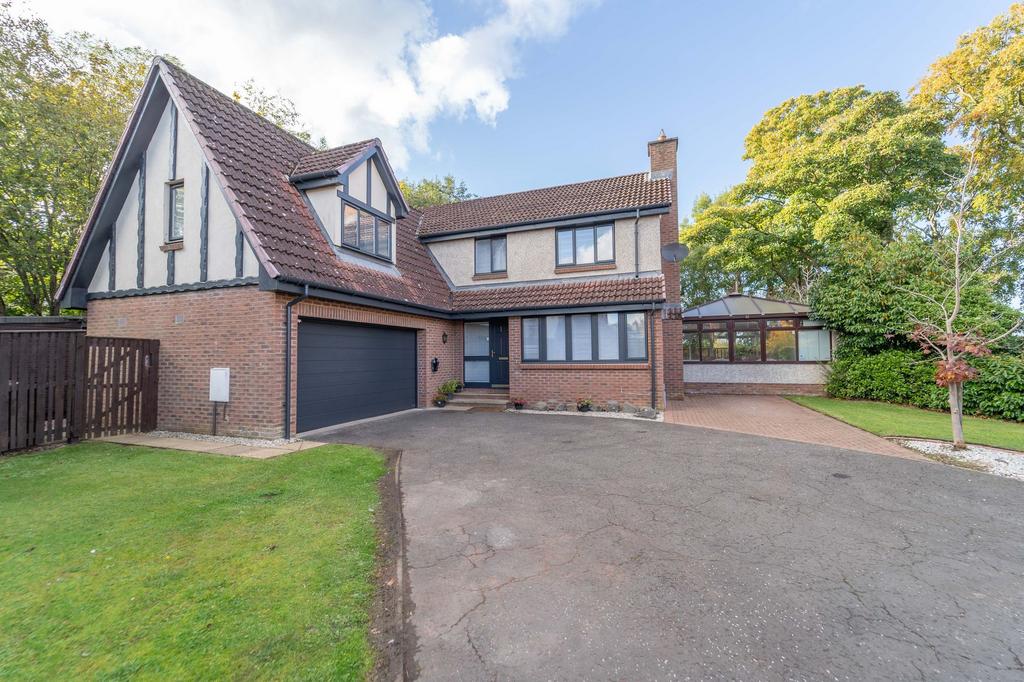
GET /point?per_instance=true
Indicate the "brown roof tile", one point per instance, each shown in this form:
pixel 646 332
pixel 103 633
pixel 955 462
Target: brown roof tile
pixel 254 158
pixel 569 294
pixel 327 160
pixel 625 192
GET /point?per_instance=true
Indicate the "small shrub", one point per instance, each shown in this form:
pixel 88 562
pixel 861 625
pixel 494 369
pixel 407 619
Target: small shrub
pixel 449 387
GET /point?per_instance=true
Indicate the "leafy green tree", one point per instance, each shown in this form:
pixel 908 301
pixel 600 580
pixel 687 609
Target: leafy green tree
pixel 277 109
pixel 434 191
pixel 702 278
pixel 977 92
pixel 824 168
pixel 64 101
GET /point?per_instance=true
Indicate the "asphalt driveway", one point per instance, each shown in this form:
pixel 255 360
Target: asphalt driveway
pixel 557 547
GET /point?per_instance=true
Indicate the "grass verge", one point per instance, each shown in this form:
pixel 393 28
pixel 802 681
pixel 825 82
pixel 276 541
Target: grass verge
pixel 885 419
pixel 120 562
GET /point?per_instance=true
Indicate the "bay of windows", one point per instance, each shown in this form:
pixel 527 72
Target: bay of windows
pixel 365 232
pixel 770 340
pixel 585 245
pixel 590 337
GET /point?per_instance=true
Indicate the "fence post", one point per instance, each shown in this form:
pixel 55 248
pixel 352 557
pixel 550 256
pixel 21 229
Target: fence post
pixel 80 377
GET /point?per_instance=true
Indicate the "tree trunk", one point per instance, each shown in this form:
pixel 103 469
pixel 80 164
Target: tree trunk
pixel 956 413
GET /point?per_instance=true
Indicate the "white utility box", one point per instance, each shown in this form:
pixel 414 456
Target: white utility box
pixel 220 384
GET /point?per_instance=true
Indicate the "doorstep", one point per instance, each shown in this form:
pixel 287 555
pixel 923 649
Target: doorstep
pixel 254 450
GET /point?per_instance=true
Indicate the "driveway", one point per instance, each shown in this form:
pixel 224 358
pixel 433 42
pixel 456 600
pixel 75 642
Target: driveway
pixel 557 547
pixel 775 417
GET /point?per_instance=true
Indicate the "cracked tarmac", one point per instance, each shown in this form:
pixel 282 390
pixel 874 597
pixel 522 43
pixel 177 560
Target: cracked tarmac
pixel 548 548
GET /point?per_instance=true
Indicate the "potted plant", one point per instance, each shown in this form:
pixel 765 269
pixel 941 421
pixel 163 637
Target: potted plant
pixel 584 404
pixel 458 385
pixel 440 399
pixel 518 403
pixel 449 387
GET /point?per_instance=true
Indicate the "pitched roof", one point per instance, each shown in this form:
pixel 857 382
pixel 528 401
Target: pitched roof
pixel 742 306
pixel 569 294
pixel 253 159
pixel 625 192
pixel 327 161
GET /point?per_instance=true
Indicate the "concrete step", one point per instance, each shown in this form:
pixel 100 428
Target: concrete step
pixel 478 399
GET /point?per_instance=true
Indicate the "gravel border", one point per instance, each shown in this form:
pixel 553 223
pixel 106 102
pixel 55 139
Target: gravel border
pixel 660 417
pixel 1005 463
pixel 227 440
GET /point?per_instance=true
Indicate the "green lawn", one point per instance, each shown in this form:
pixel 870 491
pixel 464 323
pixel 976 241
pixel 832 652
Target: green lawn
pixel 120 562
pixel 899 420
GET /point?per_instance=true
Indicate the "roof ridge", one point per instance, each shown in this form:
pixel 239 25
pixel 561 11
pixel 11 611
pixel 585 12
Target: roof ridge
pixel 179 71
pixel 466 202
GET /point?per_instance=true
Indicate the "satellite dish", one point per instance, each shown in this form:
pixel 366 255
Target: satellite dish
pixel 674 253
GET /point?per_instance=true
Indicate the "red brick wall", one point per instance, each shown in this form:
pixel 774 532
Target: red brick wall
pixel 242 328
pixel 663 159
pixel 566 382
pixel 238 327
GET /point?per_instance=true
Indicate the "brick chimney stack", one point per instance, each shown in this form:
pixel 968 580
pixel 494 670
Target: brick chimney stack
pixel 662 153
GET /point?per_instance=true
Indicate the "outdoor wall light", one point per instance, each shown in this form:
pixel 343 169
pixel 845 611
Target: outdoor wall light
pixel 444 337
pixel 434 364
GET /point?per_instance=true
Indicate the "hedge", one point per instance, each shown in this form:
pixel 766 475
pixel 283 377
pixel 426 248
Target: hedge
pixel 908 377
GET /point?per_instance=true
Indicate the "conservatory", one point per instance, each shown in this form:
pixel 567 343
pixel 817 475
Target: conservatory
pixel 747 344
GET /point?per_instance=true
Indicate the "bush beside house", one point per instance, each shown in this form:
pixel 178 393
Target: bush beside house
pixel 908 377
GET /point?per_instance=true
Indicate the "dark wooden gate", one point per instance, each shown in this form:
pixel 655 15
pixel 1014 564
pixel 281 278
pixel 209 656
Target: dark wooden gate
pixel 62 386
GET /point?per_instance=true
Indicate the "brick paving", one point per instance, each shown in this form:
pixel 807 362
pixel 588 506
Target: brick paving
pixel 776 417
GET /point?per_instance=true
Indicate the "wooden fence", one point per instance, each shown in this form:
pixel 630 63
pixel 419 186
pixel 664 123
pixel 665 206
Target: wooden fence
pixel 62 386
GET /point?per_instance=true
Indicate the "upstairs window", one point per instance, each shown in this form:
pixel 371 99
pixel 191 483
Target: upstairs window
pixel 585 245
pixel 491 255
pixel 176 212
pixel 366 232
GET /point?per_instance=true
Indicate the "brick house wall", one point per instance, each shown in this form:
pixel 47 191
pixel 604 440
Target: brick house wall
pixel 242 328
pixel 568 381
pixel 662 153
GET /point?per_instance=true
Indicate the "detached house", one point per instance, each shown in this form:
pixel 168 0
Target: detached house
pixel 307 275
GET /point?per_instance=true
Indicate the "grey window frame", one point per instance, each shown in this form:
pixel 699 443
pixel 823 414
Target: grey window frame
pixel 491 240
pixel 574 230
pixel 172 187
pixel 623 347
pixel 377 220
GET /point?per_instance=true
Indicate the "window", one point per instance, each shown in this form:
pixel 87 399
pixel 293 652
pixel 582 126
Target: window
pixel 757 340
pixel 582 343
pixel 780 341
pixel 365 232
pixel 176 215
pixel 600 337
pixel 531 338
pixel 490 255
pixel 691 347
pixel 814 344
pixel 585 245
pixel 714 342
pixel 747 341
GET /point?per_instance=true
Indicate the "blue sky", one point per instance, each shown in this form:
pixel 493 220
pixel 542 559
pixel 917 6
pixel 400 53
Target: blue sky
pixel 583 105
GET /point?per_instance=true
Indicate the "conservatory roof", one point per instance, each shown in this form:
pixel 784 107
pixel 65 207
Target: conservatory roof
pixel 744 306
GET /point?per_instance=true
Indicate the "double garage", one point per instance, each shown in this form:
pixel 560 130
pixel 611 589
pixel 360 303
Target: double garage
pixel 352 371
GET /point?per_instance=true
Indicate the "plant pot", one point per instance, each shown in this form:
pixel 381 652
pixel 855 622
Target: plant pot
pixel 440 403
pixel 458 389
pixel 518 407
pixel 583 408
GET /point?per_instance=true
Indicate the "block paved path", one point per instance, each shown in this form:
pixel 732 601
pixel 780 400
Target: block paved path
pixel 775 417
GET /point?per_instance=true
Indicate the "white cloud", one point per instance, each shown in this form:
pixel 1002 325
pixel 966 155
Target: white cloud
pixel 354 69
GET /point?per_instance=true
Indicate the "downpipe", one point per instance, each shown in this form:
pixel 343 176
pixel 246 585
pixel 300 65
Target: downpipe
pixel 288 360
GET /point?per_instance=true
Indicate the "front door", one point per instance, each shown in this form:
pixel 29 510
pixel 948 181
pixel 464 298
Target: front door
pixel 499 352
pixel 485 345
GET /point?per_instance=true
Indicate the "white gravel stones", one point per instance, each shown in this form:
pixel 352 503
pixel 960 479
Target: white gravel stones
pixel 996 461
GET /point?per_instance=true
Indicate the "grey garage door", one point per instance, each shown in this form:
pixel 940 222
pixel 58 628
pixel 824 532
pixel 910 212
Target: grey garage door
pixel 351 371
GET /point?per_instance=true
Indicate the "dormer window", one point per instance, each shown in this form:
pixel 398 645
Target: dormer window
pixel 366 232
pixel 176 212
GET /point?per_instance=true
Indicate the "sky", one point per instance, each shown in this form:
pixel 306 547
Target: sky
pixel 516 94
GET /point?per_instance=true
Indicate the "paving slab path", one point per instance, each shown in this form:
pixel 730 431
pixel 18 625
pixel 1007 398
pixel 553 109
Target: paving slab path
pixel 541 547
pixel 775 417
